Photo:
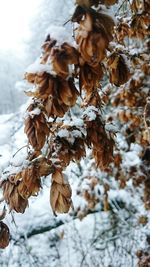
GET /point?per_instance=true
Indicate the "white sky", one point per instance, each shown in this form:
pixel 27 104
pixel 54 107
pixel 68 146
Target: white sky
pixel 15 16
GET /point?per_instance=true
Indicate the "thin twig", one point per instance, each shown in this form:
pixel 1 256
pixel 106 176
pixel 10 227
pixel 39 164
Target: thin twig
pixel 67 22
pixel 19 150
pixel 120 7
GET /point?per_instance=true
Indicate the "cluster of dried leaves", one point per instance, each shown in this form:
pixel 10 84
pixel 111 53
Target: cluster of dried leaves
pixel 55 144
pixel 94 191
pixel 20 186
pixel 144 258
pixel 132 100
pixel 136 26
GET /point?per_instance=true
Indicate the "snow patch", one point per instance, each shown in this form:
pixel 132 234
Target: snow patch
pixel 37 67
pixel 90 112
pixel 60 34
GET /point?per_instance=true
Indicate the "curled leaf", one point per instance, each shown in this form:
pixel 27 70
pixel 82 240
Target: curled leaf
pixel 4 235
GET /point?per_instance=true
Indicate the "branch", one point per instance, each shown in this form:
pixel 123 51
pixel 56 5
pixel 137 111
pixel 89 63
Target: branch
pixel 43 229
pixel 55 223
